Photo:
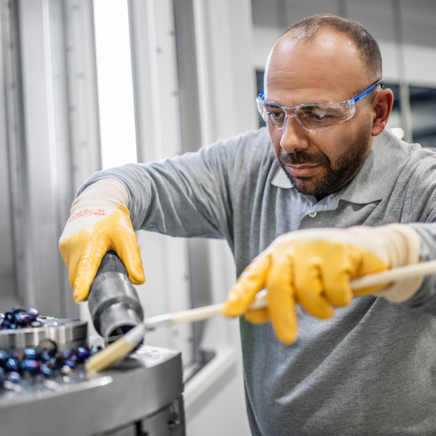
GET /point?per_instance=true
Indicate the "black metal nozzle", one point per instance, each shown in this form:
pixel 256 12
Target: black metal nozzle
pixel 113 300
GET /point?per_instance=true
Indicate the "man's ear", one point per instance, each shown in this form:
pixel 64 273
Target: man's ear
pixel 381 107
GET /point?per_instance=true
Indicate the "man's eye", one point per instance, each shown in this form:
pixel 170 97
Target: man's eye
pixel 320 117
pixel 275 115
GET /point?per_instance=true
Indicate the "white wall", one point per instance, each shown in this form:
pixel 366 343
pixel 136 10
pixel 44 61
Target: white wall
pixel 419 24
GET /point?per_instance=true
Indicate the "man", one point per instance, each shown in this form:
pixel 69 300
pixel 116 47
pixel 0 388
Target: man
pixel 279 196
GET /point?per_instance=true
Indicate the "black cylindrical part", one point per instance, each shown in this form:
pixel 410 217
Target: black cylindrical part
pixel 113 301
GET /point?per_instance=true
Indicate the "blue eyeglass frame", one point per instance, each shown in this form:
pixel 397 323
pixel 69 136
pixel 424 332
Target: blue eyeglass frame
pixel 352 101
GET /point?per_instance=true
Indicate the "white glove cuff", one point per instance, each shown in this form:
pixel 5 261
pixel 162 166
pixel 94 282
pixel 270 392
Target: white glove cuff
pixel 404 246
pixel 105 193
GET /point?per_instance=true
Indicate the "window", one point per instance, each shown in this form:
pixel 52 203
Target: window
pixel 423 108
pixel 115 89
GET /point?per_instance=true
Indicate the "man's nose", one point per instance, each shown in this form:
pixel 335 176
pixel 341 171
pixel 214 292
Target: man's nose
pixel 294 136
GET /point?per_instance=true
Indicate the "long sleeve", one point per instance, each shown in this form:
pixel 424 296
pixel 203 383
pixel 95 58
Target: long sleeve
pixel 192 195
pixel 420 201
pixel 425 298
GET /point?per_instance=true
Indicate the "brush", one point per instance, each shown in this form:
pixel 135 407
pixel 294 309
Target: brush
pixel 119 349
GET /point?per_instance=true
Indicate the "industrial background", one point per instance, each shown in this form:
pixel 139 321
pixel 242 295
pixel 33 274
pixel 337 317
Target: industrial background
pixel 87 85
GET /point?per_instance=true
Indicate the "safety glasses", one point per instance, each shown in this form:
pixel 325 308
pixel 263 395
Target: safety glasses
pixel 311 116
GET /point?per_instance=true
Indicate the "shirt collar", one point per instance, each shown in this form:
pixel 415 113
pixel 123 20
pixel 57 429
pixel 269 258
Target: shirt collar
pixel 281 180
pixel 369 185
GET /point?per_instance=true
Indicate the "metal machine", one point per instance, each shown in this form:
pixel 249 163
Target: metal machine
pixel 140 396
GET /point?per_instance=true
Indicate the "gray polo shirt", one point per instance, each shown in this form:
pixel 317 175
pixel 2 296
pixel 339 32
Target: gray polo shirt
pixel 369 370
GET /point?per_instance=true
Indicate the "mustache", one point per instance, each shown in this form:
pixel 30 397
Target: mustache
pixel 303 157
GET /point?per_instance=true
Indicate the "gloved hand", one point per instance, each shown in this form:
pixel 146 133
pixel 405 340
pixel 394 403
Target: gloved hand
pixel 314 268
pixel 99 221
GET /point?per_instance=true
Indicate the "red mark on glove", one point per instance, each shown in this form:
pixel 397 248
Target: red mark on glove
pixel 86 212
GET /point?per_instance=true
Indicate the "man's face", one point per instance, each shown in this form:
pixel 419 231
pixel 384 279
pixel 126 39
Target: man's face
pixel 327 69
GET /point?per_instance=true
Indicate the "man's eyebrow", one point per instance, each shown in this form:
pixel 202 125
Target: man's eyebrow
pixel 309 106
pixel 272 104
pixel 306 106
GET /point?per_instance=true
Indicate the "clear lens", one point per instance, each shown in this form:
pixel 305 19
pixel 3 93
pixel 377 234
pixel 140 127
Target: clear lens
pixel 322 116
pixel 274 115
pixel 313 116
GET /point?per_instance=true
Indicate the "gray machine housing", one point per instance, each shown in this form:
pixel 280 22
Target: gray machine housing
pixel 141 396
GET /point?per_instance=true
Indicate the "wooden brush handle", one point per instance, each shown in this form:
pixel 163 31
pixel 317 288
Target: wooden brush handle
pixel 205 312
pixel 394 275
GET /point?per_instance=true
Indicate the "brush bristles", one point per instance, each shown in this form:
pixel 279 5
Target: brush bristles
pixel 110 355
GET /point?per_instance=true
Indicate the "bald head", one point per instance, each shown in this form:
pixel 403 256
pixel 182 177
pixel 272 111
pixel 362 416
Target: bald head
pixel 324 57
pixel 327 68
pixel 311 28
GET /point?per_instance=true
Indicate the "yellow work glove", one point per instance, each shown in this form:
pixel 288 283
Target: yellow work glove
pixel 314 268
pixel 99 221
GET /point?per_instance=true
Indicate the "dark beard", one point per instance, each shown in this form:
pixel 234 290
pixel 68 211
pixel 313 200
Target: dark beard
pixel 333 178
